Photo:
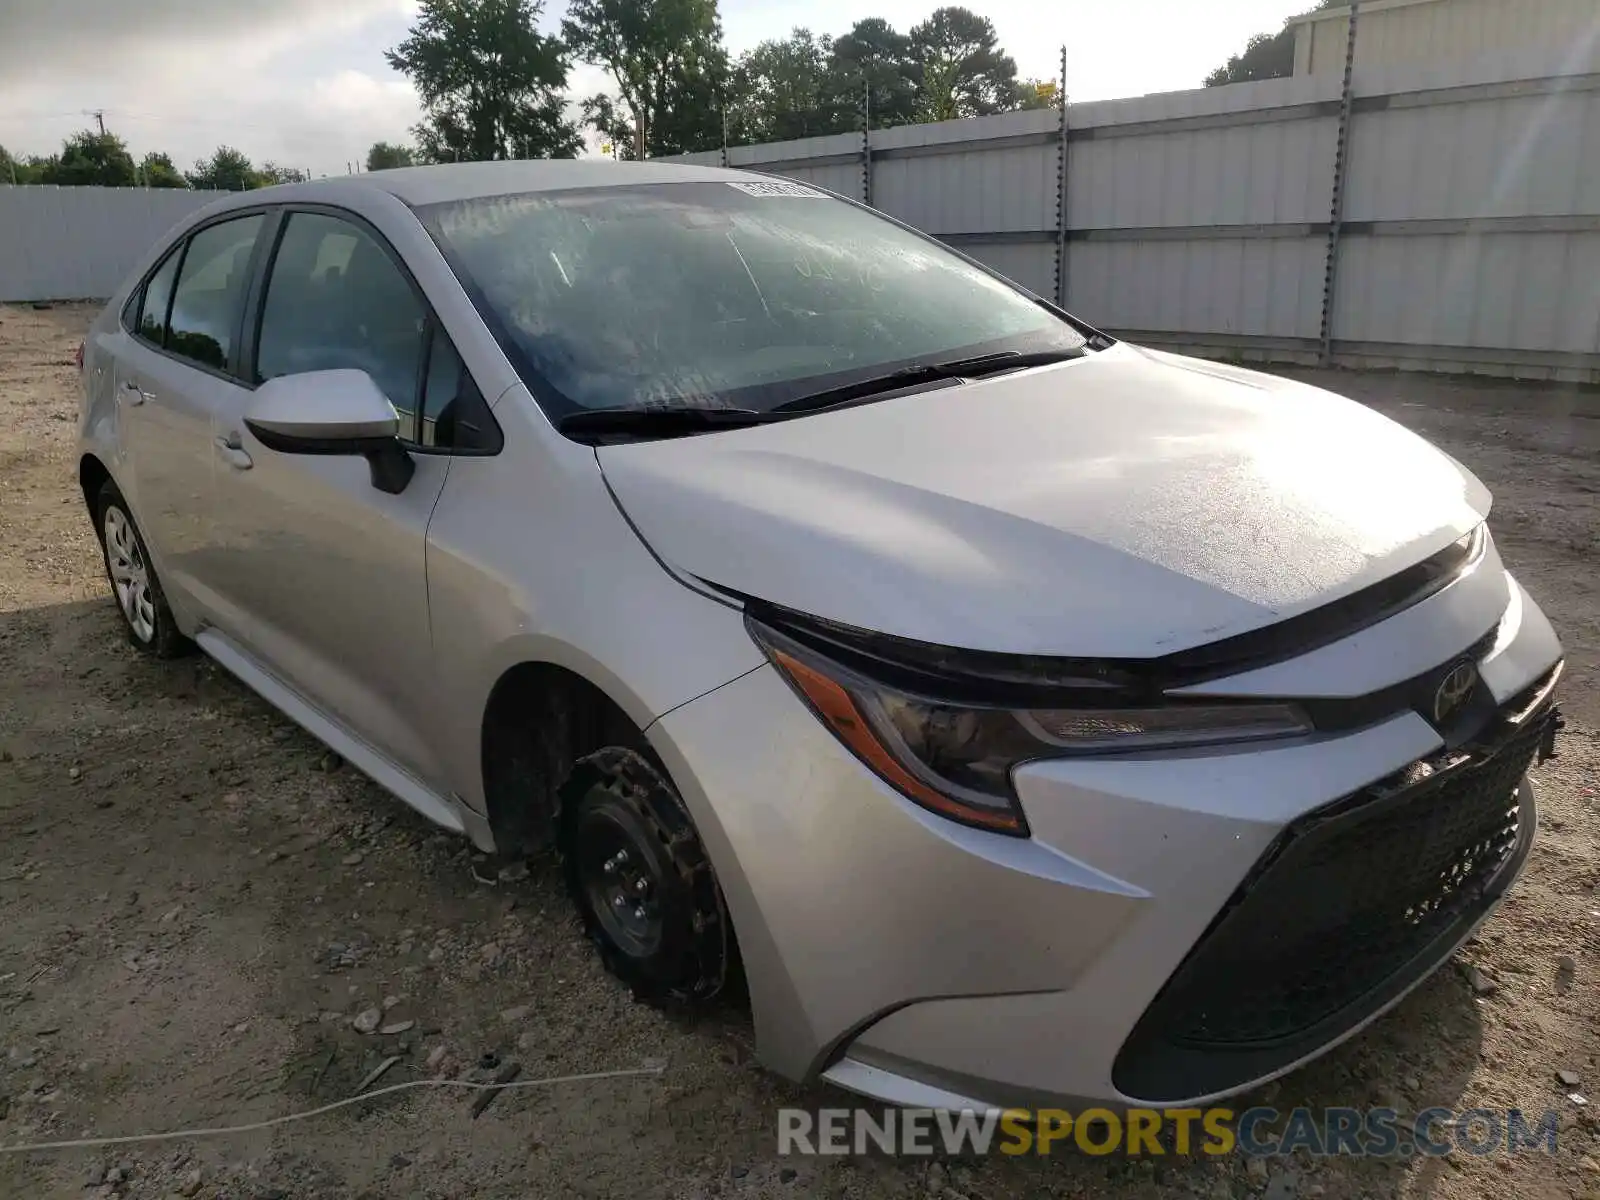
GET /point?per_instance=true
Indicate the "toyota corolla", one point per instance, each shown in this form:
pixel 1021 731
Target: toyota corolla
pixel 1016 715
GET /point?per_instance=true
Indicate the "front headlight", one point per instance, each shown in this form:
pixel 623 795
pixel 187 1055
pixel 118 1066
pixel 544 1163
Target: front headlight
pixel 957 758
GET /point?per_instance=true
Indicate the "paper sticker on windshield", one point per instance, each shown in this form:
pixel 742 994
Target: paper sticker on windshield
pixel 775 187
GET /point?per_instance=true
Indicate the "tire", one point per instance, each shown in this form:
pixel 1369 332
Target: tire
pixel 642 882
pixel 134 584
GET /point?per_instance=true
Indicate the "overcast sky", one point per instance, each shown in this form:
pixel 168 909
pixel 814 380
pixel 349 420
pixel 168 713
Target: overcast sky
pixel 303 82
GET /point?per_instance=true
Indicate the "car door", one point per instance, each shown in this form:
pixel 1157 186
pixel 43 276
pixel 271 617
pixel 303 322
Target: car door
pixel 326 571
pixel 177 367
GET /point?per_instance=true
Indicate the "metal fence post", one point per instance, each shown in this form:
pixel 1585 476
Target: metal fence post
pixel 866 143
pixel 1061 185
pixel 1341 169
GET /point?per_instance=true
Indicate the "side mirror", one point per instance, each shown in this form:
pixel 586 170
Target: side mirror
pixel 332 412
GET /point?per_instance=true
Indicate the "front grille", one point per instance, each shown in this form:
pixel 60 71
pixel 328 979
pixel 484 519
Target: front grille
pixel 1350 905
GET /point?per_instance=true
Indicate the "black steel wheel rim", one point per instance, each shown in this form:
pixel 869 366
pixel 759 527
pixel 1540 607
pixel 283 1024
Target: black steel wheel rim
pixel 621 884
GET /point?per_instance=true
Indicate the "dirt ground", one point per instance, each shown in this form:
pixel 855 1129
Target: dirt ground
pixel 194 908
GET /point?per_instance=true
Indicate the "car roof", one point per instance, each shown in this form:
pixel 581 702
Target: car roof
pixel 462 181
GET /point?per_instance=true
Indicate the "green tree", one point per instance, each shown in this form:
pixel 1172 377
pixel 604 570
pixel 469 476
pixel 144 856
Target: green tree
pixel 10 170
pixel 964 71
pixel 385 156
pixel 875 55
pixel 36 168
pixel 786 91
pixel 1265 56
pixel 693 106
pixel 668 64
pixel 271 173
pixel 1038 93
pixel 490 82
pixel 602 114
pixel 156 171
pixel 91 159
pixel 227 170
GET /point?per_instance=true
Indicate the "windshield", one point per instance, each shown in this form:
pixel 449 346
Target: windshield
pixel 719 294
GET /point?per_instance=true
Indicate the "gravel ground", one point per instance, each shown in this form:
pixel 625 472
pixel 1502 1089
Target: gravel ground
pixel 199 905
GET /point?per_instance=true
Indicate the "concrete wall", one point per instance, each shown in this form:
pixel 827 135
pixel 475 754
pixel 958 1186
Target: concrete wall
pixel 79 242
pixel 1201 220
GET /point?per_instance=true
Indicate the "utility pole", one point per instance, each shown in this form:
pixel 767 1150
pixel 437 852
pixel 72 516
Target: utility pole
pixel 99 114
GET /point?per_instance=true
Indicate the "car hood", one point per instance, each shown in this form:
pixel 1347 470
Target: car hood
pixel 1127 504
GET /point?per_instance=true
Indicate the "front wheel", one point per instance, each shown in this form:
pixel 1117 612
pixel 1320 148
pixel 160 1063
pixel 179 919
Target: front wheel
pixel 149 622
pixel 642 882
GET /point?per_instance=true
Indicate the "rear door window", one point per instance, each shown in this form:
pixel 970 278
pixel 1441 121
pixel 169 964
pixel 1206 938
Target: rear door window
pixel 149 313
pixel 209 298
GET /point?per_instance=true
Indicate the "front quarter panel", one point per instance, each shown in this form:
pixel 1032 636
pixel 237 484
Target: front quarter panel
pixel 529 560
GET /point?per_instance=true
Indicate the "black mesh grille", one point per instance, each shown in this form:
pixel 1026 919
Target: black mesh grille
pixel 1349 906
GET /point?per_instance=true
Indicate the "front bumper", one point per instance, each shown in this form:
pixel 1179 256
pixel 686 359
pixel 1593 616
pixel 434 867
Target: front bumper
pixel 925 963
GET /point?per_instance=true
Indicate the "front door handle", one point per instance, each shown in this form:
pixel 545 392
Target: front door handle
pixel 233 453
pixel 134 394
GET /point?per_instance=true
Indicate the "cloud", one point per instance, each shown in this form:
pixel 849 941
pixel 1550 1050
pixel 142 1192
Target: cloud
pixel 298 82
pixel 47 39
pixel 302 83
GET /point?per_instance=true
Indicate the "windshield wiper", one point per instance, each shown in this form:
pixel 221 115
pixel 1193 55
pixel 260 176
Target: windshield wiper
pixel 684 419
pixel 660 422
pixel 975 367
pixel 1007 360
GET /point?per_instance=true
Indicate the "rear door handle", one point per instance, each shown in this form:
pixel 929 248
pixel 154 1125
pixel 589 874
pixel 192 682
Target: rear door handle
pixel 233 453
pixel 134 394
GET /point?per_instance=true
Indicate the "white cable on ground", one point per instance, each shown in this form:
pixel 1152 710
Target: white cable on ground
pixel 83 1143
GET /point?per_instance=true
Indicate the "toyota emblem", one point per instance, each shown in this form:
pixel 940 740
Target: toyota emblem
pixel 1453 691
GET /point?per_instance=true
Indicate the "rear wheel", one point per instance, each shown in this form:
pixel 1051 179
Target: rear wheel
pixel 134 584
pixel 642 882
